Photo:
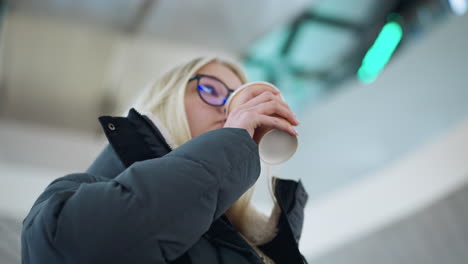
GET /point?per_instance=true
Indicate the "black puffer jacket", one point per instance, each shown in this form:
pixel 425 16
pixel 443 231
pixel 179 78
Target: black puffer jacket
pixel 140 202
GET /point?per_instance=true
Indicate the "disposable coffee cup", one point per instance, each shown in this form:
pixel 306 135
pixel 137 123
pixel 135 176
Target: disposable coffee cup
pixel 275 146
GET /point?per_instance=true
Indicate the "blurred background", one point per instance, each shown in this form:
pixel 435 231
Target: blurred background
pixel 381 88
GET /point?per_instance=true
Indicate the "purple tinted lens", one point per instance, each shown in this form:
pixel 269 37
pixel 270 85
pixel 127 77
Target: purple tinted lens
pixel 212 91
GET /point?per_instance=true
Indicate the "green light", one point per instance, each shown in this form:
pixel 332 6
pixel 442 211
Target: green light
pixel 380 52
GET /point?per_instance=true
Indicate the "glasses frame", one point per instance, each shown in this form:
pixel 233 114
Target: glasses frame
pixel 199 76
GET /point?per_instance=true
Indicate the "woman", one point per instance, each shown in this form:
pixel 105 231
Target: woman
pixel 174 183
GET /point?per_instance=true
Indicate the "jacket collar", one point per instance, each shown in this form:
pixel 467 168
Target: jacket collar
pixel 131 139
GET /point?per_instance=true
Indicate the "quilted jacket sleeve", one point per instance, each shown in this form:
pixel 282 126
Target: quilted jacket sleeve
pixel 153 211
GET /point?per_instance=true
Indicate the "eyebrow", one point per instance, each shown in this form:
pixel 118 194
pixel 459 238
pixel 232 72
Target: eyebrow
pixel 210 76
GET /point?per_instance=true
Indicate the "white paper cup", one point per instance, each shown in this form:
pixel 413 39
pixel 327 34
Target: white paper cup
pixel 275 146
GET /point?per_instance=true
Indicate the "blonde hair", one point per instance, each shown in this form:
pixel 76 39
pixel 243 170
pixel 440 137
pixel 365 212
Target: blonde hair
pixel 164 99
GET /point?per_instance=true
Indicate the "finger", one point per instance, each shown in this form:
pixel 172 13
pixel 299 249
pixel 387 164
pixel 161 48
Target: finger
pixel 275 123
pixel 254 91
pixel 268 96
pixel 275 108
pixel 265 96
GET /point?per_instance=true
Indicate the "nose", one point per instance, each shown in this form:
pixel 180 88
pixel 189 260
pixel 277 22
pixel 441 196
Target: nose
pixel 222 109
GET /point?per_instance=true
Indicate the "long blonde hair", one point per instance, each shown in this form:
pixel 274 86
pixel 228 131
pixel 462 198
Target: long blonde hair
pixel 165 100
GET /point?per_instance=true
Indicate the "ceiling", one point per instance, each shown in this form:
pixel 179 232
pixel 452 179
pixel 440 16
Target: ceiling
pixel 231 25
pixel 87 47
pixel 88 57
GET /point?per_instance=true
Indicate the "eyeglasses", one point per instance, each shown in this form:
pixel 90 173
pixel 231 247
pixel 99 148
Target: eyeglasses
pixel 211 90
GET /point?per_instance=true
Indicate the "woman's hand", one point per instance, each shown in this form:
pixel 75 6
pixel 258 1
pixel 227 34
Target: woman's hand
pixel 257 107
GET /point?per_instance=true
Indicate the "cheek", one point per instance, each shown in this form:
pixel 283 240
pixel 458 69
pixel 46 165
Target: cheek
pixel 200 115
pixel 192 104
pixel 196 110
pixel 190 107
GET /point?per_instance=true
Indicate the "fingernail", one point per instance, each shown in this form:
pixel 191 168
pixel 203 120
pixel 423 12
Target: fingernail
pixel 295 117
